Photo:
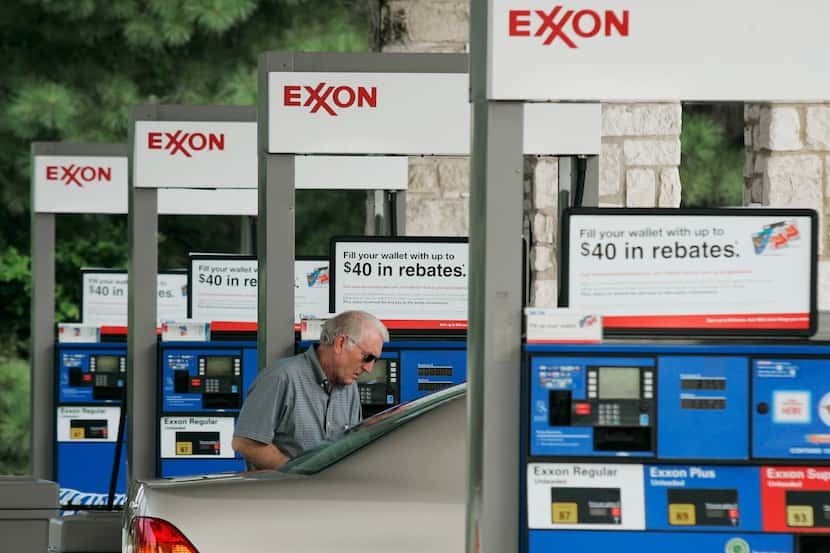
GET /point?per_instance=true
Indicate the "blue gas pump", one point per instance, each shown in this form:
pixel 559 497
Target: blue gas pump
pixel 90 380
pixel 688 447
pixel 202 387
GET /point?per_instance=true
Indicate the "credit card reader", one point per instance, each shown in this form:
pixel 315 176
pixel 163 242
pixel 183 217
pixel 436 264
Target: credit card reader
pixel 203 385
pixel 90 375
pixel 615 400
pixel 216 378
pixel 379 388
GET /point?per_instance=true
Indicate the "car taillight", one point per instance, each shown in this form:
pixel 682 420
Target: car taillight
pixel 154 535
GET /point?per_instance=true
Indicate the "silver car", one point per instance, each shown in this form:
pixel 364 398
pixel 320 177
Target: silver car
pixel 396 482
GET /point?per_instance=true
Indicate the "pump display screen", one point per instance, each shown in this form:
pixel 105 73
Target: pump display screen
pixel 219 366
pixel 107 363
pixel 376 376
pixel 619 383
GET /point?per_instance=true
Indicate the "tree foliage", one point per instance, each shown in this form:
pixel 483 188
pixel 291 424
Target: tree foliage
pixel 711 167
pixel 72 71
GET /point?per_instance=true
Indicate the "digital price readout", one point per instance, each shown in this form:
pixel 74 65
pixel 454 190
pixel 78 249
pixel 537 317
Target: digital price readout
pixel 703 384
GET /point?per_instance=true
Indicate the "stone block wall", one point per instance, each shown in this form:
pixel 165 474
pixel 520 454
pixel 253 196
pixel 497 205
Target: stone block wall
pixel 788 165
pixel 640 155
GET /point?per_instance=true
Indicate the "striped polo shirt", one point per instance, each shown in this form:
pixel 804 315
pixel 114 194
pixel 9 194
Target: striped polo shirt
pixel 289 405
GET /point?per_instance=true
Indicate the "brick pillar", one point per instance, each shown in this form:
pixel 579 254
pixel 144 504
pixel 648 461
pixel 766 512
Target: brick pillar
pixel 640 160
pixel 541 181
pixel 439 187
pixel 787 165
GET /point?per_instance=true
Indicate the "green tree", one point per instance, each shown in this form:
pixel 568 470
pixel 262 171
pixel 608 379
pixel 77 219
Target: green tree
pixel 711 167
pixel 72 69
pixel 14 416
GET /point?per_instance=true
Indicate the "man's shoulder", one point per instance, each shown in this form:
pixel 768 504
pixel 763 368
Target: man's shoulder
pixel 287 367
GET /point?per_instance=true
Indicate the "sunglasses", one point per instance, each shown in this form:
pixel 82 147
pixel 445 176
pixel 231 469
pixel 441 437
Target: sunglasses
pixel 367 357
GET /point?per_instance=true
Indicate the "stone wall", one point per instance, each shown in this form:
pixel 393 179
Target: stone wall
pixel 638 165
pixel 640 155
pixel 788 165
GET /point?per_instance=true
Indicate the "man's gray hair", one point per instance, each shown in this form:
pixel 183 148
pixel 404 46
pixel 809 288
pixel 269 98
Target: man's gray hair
pixel 351 324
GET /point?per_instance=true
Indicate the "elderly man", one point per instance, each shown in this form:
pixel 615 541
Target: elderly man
pixel 303 400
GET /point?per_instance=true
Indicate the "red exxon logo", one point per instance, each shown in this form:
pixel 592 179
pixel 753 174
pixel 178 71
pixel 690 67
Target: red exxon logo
pixel 568 26
pixel 78 174
pixel 185 143
pixel 328 98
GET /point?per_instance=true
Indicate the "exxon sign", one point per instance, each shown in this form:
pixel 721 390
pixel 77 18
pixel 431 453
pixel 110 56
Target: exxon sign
pixel 185 143
pixel 566 26
pixel 78 175
pixel 330 99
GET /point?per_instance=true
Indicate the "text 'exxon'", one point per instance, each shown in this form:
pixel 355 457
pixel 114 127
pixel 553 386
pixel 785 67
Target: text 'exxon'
pixel 564 24
pixel 329 97
pixel 78 174
pixel 185 142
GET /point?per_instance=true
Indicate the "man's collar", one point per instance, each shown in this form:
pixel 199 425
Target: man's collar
pixel 317 369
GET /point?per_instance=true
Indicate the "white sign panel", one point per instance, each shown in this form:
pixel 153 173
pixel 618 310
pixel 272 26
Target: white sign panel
pixel 403 280
pixel 658 50
pixel 87 424
pixel 351 172
pixel 581 496
pixel 379 113
pixel 80 184
pixel 562 129
pixel 741 270
pixel 192 437
pixel 225 289
pixel 104 298
pixel 195 154
pixel 184 201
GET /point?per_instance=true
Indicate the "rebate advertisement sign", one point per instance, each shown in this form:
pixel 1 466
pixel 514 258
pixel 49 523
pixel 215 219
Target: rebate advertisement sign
pixel 225 288
pixel 104 297
pixel 418 283
pixel 727 271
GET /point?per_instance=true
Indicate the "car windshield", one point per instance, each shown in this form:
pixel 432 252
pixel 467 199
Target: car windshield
pixel 319 458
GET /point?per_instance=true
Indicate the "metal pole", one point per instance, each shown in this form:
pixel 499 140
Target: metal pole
pixel 42 353
pixel 495 315
pixel 400 213
pixel 141 342
pixel 275 251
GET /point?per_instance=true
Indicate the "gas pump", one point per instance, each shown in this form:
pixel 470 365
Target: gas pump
pixel 709 445
pixel 90 380
pixel 203 384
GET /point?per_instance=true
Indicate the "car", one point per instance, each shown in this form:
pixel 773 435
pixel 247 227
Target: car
pixel 395 482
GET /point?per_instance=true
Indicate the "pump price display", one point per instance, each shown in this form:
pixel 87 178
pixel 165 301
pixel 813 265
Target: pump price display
pixel 708 271
pixel 796 498
pixel 585 496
